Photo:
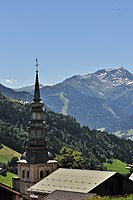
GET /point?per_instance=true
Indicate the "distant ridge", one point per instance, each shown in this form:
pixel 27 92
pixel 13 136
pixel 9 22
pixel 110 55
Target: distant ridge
pixel 24 96
pixel 27 89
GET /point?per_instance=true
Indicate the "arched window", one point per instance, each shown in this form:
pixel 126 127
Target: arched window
pixel 23 173
pixel 47 172
pixel 28 174
pixel 41 174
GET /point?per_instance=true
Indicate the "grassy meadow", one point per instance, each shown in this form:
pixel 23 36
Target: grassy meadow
pixel 6 154
pixel 117 166
pixel 129 197
pixel 7 180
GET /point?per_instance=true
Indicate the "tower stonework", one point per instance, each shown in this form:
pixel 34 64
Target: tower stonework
pixel 36 165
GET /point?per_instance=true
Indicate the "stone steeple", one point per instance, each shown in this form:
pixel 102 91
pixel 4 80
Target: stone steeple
pixel 37 151
pixel 36 165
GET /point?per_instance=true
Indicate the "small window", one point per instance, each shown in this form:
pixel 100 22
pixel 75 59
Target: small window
pixel 23 174
pixel 28 174
pixel 41 174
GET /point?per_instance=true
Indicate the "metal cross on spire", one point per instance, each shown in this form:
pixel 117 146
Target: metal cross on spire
pixel 37 65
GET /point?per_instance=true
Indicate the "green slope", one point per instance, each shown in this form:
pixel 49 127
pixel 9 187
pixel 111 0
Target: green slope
pixel 117 166
pixel 124 134
pixel 7 180
pixel 6 154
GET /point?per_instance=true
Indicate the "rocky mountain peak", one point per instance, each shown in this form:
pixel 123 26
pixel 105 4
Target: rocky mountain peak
pixel 115 76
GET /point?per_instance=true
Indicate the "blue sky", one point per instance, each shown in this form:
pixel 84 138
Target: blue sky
pixel 68 37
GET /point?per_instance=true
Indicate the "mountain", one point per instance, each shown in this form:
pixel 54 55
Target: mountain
pixel 96 146
pixel 28 89
pixel 125 124
pixel 124 128
pixel 99 100
pixel 24 96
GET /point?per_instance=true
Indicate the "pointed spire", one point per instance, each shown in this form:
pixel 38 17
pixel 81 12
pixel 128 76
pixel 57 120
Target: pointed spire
pixel 37 90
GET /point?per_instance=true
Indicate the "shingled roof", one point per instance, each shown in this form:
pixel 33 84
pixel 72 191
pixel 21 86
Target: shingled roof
pixel 74 180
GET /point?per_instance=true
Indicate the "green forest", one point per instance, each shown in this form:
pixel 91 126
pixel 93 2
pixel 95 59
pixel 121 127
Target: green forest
pixel 96 147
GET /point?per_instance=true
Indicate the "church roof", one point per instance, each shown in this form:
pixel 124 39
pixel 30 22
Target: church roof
pixel 75 180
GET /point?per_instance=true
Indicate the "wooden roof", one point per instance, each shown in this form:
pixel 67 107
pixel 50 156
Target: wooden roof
pixel 11 190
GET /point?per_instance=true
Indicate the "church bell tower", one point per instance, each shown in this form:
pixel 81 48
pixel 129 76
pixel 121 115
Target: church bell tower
pixel 37 151
pixel 36 164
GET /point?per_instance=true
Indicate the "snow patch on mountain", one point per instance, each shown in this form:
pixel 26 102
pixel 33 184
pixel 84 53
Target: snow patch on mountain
pixel 102 75
pixel 102 93
pixel 130 83
pixel 116 76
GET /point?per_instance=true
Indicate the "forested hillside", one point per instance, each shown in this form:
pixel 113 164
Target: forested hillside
pixel 95 146
pixel 13 123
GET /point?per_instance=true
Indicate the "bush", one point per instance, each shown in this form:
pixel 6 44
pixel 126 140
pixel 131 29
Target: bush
pixel 3 172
